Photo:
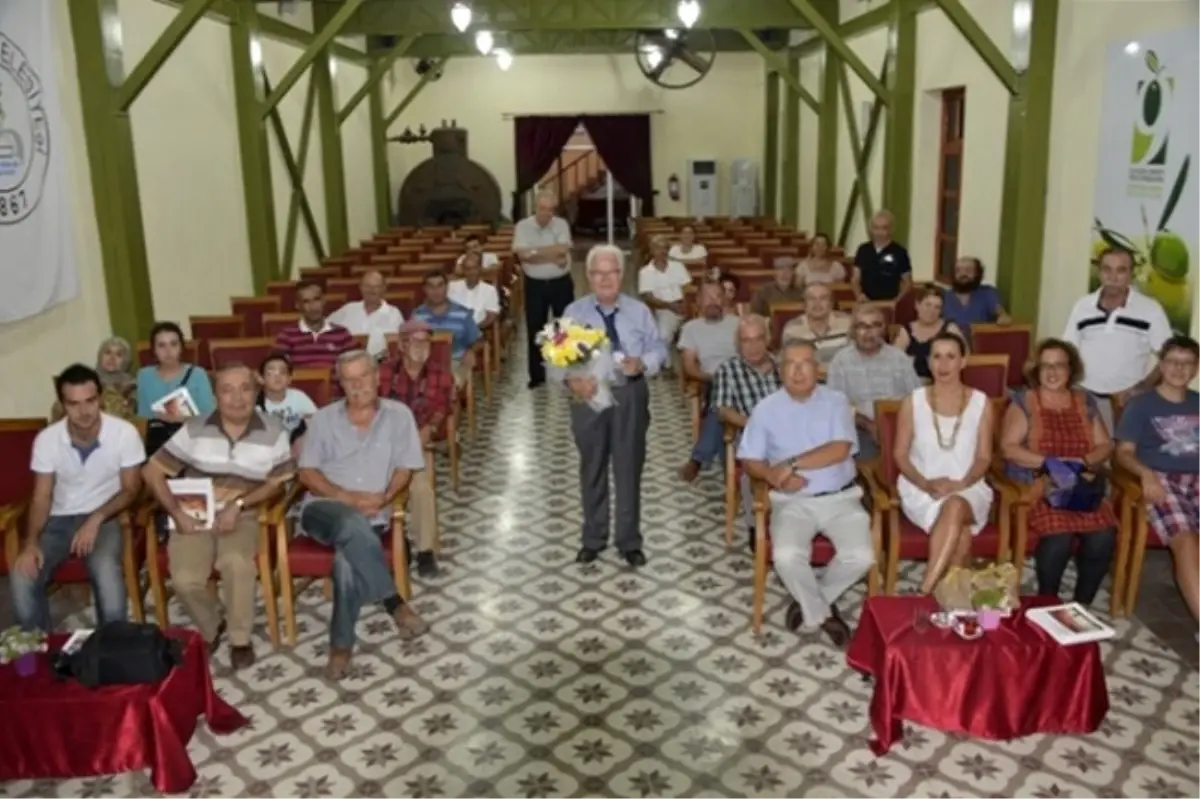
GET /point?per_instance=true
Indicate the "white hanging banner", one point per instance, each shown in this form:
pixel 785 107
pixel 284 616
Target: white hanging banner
pixel 1146 180
pixel 37 232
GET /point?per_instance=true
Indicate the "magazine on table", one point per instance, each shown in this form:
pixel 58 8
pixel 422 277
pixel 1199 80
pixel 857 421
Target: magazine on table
pixel 178 403
pixel 1070 624
pixel 195 498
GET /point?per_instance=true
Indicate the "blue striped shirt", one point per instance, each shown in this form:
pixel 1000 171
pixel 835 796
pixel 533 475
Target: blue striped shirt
pixel 457 319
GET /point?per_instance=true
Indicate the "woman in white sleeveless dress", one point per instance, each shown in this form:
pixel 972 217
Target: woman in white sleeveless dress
pixel 943 451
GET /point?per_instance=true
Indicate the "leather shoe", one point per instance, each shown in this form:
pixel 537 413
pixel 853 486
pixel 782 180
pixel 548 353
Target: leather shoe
pixel 795 616
pixel 635 558
pixel 241 657
pixel 837 629
pixel 427 566
pixel 587 555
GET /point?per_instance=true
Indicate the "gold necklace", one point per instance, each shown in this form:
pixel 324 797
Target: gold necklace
pixel 937 425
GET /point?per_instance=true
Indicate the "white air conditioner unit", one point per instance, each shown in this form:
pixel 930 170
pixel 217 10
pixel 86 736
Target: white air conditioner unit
pixel 743 187
pixel 702 188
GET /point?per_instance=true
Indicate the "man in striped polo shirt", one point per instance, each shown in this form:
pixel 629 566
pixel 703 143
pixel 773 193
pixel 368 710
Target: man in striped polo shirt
pixel 248 457
pixel 441 313
pixel 314 340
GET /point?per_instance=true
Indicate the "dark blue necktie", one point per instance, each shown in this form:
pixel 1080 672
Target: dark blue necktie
pixel 610 327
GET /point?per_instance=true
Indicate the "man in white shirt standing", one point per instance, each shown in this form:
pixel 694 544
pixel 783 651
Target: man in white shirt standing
pixel 474 244
pixel 476 294
pixel 660 284
pixel 86 472
pixel 1117 330
pixel 372 316
pixel 542 245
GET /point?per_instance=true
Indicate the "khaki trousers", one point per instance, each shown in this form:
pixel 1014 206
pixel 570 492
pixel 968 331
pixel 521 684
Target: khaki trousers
pixel 193 558
pixel 461 372
pixel 422 508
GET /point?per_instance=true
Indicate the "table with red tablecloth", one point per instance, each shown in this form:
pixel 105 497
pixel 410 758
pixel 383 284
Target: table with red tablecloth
pixel 57 729
pixel 1012 682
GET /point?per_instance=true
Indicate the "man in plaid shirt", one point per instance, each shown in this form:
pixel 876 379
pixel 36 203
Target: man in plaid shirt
pixel 426 386
pixel 741 383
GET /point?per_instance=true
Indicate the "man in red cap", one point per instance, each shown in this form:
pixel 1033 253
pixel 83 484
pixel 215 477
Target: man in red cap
pixel 426 386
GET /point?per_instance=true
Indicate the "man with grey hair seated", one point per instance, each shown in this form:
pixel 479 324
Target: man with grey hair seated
pixel 615 435
pixel 783 289
pixel 359 454
pixel 542 245
pixel 660 285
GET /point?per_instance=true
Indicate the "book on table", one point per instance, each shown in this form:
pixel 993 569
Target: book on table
pixel 196 499
pixel 178 403
pixel 1070 624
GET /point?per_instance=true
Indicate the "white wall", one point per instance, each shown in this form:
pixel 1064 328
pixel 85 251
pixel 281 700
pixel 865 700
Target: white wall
pixel 1085 30
pixel 33 350
pixel 721 117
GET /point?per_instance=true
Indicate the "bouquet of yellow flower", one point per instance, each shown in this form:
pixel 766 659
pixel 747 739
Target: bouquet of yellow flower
pixel 579 350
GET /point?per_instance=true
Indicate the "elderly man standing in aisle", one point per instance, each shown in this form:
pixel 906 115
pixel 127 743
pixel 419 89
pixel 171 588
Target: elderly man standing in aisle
pixel 542 244
pixel 617 434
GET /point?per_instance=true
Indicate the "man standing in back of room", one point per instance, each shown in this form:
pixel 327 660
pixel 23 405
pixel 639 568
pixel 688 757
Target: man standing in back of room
pixel 882 270
pixel 542 244
pixel 314 340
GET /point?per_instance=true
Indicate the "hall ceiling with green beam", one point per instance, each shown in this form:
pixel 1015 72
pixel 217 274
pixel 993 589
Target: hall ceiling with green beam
pixel 407 17
pixel 592 42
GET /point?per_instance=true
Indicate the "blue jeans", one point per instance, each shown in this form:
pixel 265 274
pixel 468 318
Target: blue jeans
pixel 104 566
pixel 868 448
pixel 711 443
pixel 360 573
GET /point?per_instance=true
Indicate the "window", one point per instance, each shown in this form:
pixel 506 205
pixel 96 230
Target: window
pixel 949 187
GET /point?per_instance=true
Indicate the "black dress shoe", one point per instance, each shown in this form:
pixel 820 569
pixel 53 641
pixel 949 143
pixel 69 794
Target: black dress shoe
pixel 635 558
pixel 534 383
pixel 750 539
pixel 795 616
pixel 587 555
pixel 427 565
pixel 836 629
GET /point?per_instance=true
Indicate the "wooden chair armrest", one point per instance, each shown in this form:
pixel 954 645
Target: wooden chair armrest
pixel 762 499
pixel 11 514
pixel 399 503
pixel 1011 492
pixel 275 512
pixel 731 431
pixel 883 496
pixel 1129 485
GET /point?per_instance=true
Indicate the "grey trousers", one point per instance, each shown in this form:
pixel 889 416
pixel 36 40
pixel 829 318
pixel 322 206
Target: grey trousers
pixel 616 435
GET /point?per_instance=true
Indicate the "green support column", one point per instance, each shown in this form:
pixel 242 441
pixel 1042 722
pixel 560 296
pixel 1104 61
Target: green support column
pixel 771 146
pixel 379 159
pixel 828 145
pixel 337 220
pixel 902 74
pixel 790 199
pixel 1026 171
pixel 249 90
pixel 95 31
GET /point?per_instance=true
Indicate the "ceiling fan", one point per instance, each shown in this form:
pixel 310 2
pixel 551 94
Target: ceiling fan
pixel 675 59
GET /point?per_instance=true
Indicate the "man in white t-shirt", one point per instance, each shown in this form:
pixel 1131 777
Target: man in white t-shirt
pixel 86 472
pixel 372 316
pixel 1117 330
pixel 474 244
pixel 660 284
pixel 476 294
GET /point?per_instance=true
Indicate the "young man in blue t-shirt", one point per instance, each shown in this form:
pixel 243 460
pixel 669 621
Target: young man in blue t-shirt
pixel 1159 441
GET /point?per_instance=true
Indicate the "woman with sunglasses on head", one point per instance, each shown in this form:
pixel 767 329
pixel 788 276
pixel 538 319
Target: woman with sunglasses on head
pixel 1053 425
pixel 943 451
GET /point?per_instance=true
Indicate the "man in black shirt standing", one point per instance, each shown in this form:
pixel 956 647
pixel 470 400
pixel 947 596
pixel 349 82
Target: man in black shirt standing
pixel 882 268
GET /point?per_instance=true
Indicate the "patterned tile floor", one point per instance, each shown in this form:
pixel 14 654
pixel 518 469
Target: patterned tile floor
pixel 544 678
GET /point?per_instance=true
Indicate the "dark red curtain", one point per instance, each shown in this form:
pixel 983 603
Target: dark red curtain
pixel 623 142
pixel 539 142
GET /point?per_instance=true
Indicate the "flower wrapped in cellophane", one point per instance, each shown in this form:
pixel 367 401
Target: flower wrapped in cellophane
pixel 579 351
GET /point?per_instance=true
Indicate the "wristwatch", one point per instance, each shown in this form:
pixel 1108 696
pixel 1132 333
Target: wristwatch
pixel 240 503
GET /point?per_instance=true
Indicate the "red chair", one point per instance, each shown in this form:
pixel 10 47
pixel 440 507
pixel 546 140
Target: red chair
pixel 887 308
pixel 904 539
pixel 246 351
pixel 285 290
pixel 273 323
pixel 842 293
pixel 1014 340
pixel 205 328
pixel 16 478
pixel 299 556
pixel 251 309
pixel 781 314
pixel 316 382
pixel 822 551
pixel 987 373
pixel 406 301
pixel 348 287
pixel 145 353
pixel 321 274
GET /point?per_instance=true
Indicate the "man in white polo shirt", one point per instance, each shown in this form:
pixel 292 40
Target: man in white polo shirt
pixel 85 474
pixel 372 316
pixel 542 244
pixel 475 293
pixel 660 286
pixel 1117 331
pixel 474 244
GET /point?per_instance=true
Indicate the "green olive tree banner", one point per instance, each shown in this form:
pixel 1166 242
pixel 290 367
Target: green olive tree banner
pixel 1146 179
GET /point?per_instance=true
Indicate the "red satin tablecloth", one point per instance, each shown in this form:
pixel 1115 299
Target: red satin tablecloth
pixel 52 729
pixel 1012 682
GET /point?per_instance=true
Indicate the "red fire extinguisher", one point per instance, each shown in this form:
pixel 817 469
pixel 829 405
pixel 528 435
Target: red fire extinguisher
pixel 673 187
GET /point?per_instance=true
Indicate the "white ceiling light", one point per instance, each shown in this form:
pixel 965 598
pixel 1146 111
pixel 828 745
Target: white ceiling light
pixel 1133 48
pixel 688 11
pixel 504 58
pixel 654 57
pixel 671 33
pixel 460 15
pixel 484 42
